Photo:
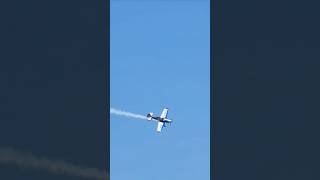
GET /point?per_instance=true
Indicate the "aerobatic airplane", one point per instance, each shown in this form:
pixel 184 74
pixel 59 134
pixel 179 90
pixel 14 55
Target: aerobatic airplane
pixel 162 120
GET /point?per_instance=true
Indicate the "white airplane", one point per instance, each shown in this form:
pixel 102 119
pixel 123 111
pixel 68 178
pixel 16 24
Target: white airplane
pixel 162 120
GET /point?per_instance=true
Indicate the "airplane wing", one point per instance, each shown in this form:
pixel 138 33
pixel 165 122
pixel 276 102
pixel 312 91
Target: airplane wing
pixel 164 113
pixel 160 125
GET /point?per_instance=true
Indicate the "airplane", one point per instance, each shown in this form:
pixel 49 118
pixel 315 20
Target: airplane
pixel 162 119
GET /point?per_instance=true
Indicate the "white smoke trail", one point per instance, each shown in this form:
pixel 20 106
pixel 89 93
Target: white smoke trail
pixel 27 160
pixel 127 114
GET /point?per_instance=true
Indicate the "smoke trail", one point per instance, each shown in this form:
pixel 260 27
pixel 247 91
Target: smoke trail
pixel 127 114
pixel 27 160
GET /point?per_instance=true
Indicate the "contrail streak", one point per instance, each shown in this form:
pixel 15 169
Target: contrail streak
pixel 127 114
pixel 27 160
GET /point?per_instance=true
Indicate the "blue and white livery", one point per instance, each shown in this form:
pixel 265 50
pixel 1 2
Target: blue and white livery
pixel 162 119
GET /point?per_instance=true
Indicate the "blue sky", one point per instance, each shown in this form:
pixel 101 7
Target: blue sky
pixel 160 58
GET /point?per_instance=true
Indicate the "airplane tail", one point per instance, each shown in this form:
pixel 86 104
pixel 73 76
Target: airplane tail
pixel 149 116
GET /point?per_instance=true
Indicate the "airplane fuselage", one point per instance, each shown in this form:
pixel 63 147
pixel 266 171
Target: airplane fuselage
pixel 162 119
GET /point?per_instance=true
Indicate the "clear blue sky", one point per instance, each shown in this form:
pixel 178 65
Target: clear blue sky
pixel 160 58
